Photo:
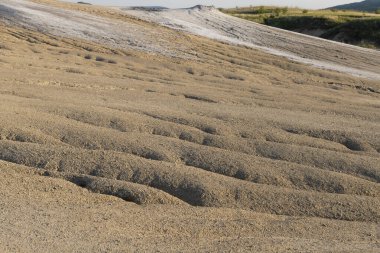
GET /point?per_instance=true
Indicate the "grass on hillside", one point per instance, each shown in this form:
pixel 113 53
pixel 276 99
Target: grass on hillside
pixel 358 28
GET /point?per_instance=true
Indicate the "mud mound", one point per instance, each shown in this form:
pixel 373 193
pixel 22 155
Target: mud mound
pixel 108 148
pixel 74 24
pixel 209 22
pixel 203 8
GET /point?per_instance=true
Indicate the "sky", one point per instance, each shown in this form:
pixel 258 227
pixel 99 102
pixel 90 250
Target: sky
pixel 311 4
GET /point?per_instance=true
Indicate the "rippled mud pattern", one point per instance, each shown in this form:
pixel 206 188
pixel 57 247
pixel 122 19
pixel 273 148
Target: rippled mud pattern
pixel 233 149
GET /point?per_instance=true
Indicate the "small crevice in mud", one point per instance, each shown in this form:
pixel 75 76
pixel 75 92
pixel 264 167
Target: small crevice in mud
pixel 197 125
pixel 151 155
pixel 354 145
pixel 339 137
pixel 336 85
pixel 199 98
pixel 130 192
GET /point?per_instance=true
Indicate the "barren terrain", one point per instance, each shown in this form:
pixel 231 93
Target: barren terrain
pixel 118 135
pixel 210 22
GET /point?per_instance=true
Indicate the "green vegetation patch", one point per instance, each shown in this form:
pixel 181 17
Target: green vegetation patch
pixel 302 22
pixel 354 27
pixel 365 32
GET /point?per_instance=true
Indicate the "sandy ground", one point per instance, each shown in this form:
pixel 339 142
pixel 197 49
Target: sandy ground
pixel 51 215
pixel 111 149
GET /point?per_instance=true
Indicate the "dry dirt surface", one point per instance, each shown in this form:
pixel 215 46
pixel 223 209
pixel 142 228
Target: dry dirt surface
pixel 179 143
pixel 211 23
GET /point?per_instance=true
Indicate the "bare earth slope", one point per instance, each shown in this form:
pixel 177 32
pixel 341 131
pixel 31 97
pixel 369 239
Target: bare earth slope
pixel 111 147
pixel 210 22
pixel 115 33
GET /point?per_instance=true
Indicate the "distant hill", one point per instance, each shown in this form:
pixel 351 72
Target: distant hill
pixel 367 5
pixel 145 8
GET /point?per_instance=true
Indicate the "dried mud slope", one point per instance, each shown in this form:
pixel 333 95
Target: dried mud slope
pixel 211 23
pixel 73 24
pixel 106 148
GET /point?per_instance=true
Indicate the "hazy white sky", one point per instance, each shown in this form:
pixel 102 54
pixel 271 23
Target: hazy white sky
pixel 312 4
